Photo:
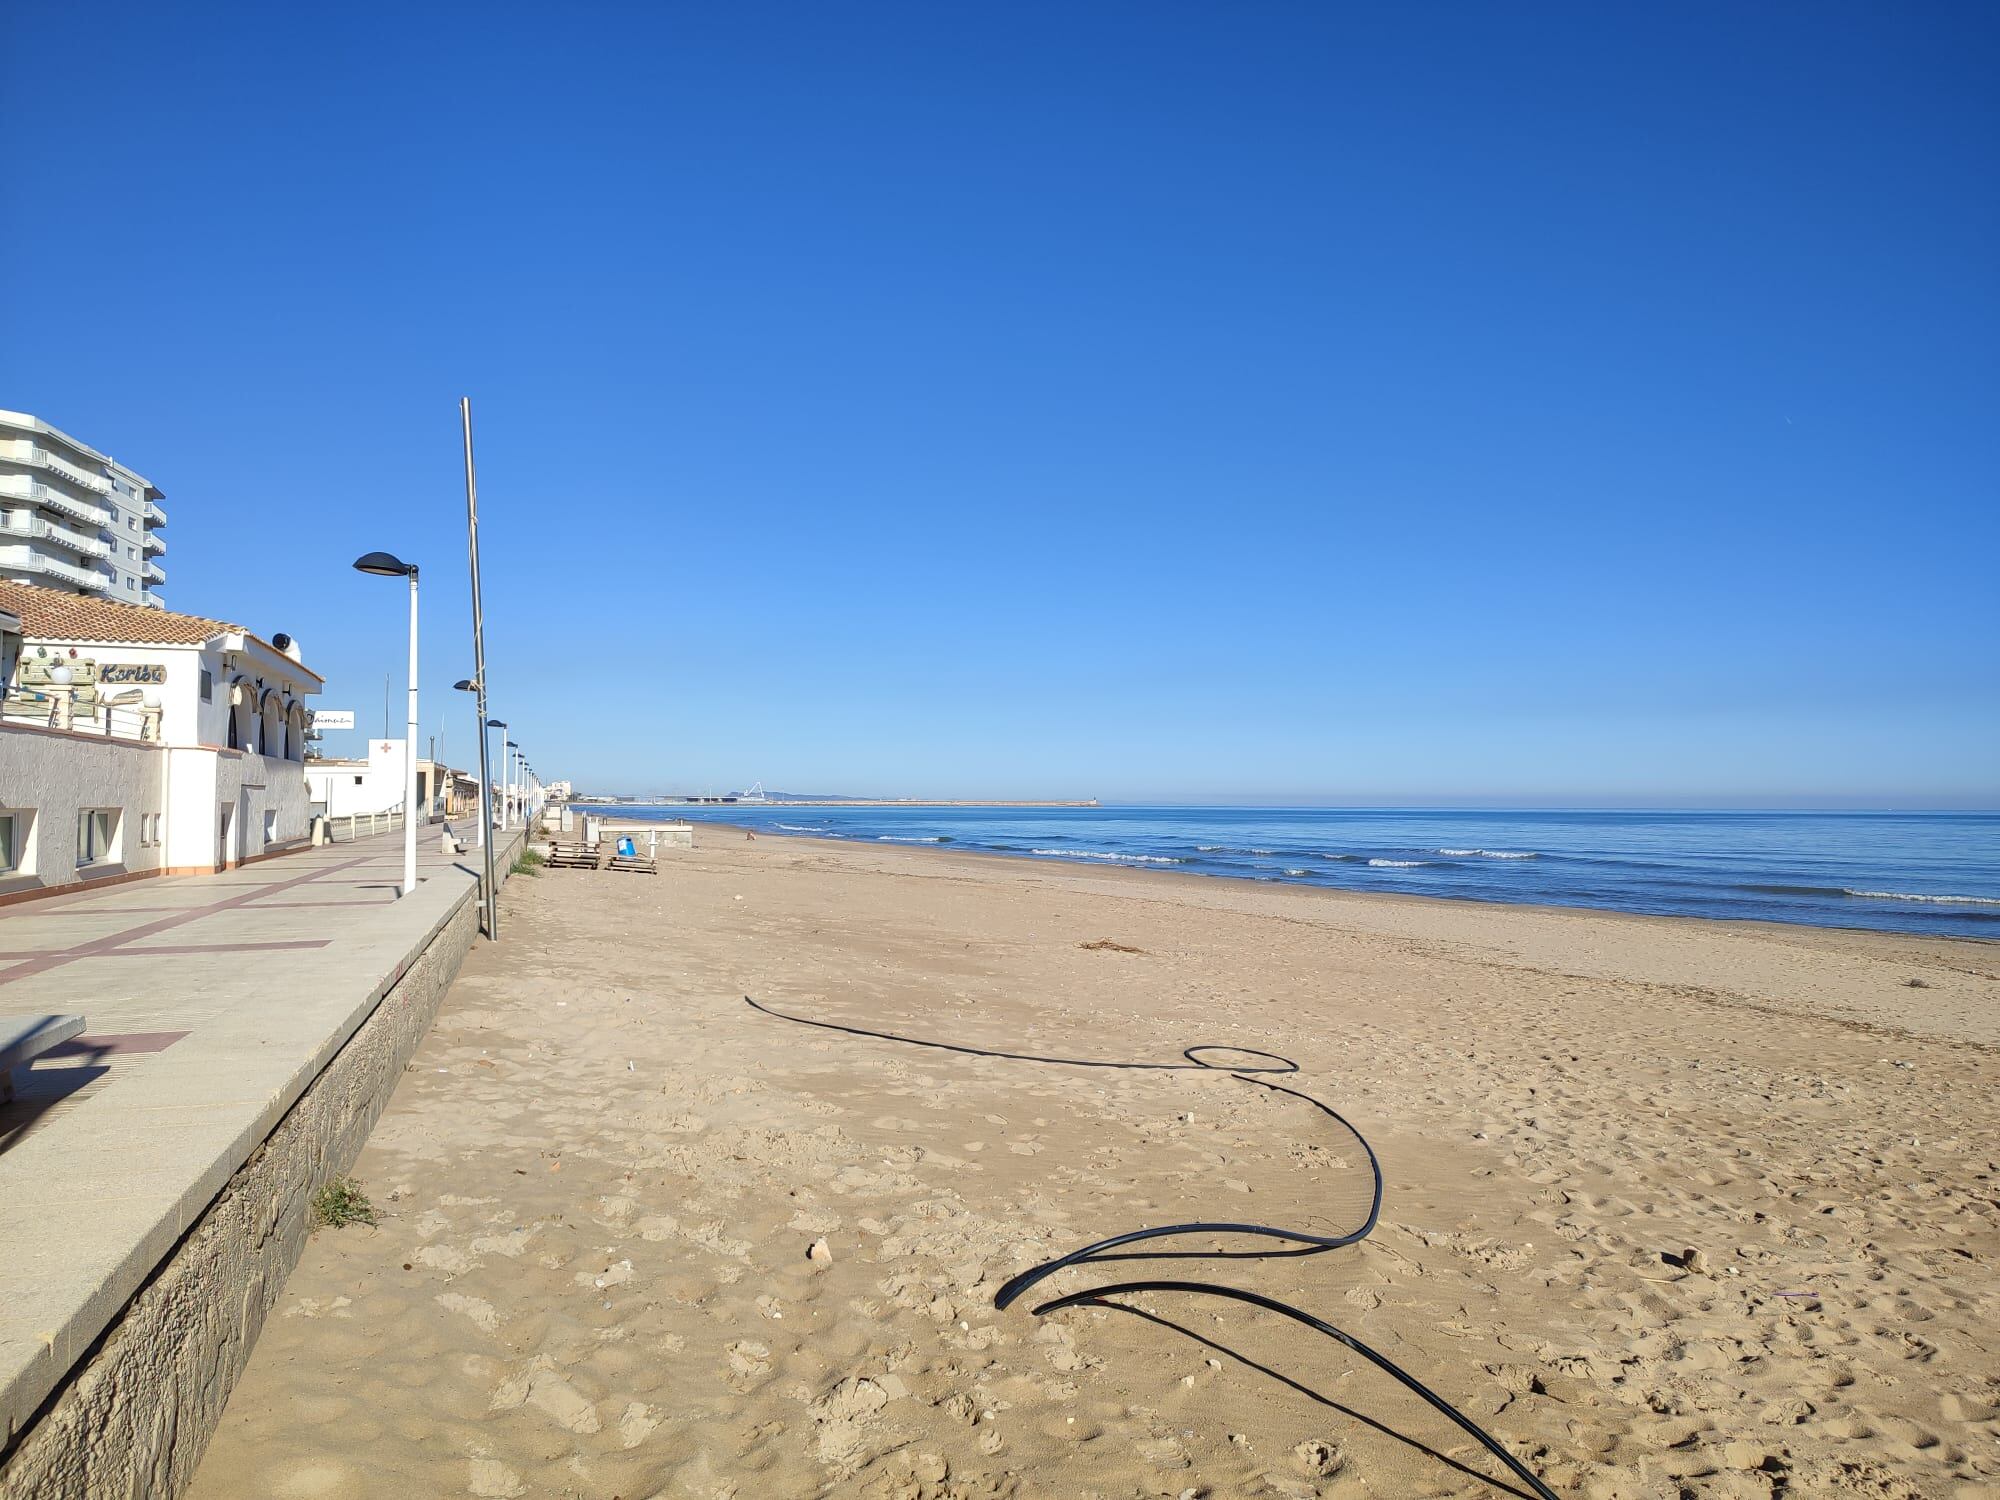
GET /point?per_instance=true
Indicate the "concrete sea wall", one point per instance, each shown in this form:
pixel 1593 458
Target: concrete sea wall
pixel 134 1414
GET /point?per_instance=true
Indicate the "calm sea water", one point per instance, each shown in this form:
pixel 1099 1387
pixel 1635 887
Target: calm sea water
pixel 1901 872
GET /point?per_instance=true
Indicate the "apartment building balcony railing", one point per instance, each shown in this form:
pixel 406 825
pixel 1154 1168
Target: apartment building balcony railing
pixel 155 573
pixel 41 458
pixel 155 543
pixel 156 513
pixel 21 487
pixel 62 536
pixel 24 561
pixel 56 464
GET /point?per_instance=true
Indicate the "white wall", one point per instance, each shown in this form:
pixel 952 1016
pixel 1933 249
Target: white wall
pixel 265 795
pixel 348 788
pixel 54 776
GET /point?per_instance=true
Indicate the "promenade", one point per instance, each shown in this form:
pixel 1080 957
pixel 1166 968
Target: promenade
pixel 213 1004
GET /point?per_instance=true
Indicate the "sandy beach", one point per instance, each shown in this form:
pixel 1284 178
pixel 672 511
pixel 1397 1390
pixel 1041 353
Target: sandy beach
pixel 1672 1207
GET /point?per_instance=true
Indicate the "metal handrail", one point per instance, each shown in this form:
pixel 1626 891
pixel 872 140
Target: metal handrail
pixel 41 458
pixel 109 721
pixel 41 494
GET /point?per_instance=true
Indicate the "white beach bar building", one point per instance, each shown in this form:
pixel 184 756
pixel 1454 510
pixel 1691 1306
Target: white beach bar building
pixel 137 741
pixel 349 788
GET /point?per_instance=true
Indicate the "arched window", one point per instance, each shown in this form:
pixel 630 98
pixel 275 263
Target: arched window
pixel 242 714
pixel 271 723
pixel 295 731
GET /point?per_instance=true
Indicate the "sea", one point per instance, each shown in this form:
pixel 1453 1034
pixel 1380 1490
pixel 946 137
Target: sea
pixel 1920 872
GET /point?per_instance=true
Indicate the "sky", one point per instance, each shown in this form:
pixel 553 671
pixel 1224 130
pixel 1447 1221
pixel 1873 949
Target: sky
pixel 1457 403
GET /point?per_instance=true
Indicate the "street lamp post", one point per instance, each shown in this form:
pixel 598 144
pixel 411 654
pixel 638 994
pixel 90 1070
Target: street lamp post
pixel 471 685
pixel 513 785
pixel 385 565
pixel 501 725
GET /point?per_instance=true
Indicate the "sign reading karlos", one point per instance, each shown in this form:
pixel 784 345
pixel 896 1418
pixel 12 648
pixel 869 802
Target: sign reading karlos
pixel 333 718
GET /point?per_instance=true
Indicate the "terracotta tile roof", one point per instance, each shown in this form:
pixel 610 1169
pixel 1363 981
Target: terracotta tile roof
pixel 52 614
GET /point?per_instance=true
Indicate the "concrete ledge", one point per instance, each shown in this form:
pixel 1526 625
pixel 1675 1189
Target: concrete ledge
pixel 177 1248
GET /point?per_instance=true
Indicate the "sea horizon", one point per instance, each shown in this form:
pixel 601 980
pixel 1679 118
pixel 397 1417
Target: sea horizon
pixel 1920 871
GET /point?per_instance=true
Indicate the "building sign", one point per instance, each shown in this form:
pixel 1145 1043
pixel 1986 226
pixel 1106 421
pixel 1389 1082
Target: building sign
pixel 333 718
pixel 110 672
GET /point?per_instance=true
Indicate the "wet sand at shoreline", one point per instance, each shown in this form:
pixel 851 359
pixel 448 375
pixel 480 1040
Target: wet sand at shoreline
pixel 600 1181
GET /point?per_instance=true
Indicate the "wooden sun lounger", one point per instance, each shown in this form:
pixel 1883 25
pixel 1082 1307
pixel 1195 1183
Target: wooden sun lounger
pixel 574 856
pixel 24 1038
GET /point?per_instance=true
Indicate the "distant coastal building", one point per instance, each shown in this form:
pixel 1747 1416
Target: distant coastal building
pixel 138 741
pixel 73 519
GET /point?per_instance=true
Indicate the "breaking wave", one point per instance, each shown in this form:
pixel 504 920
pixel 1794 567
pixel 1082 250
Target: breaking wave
pixel 1491 853
pixel 1397 864
pixel 1106 854
pixel 1913 896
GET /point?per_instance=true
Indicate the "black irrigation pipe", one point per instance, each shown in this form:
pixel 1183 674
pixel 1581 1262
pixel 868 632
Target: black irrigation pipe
pixel 1310 1244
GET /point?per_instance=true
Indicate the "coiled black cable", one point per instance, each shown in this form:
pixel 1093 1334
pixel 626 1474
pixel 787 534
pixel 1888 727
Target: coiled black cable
pixel 1309 1244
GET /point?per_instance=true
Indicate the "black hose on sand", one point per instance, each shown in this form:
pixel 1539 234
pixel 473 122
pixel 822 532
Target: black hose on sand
pixel 1307 1243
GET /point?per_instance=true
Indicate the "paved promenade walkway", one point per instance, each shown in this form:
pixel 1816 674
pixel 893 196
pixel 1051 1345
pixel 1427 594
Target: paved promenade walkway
pixel 212 1002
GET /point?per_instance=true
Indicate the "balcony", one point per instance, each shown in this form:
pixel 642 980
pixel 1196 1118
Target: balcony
pixel 41 458
pixel 62 572
pixel 62 536
pixel 21 487
pixel 155 543
pixel 77 476
pixel 155 573
pixel 156 513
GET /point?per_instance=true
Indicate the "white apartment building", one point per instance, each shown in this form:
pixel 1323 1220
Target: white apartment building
pixel 138 742
pixel 72 518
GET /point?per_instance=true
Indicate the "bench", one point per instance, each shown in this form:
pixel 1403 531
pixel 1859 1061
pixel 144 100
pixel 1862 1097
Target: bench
pixel 636 864
pixel 24 1038
pixel 577 856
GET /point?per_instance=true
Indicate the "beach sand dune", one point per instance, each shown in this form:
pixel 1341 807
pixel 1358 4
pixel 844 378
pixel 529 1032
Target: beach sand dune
pixel 1672 1208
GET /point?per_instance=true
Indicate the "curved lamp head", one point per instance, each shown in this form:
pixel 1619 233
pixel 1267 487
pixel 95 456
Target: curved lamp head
pixel 385 565
pixel 496 723
pixel 465 685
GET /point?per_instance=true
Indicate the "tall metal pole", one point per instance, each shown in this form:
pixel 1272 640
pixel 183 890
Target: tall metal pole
pixel 410 757
pixel 479 671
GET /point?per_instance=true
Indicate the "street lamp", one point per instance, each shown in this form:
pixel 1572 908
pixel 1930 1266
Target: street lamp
pixel 501 725
pixel 469 685
pixel 386 565
pixel 513 784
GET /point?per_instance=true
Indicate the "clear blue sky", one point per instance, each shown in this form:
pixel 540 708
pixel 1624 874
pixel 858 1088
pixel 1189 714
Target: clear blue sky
pixel 1559 403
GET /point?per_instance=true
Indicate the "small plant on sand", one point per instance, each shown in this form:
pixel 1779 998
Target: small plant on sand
pixel 340 1203
pixel 529 862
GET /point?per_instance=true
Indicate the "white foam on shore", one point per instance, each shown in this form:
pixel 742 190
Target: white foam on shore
pixel 1123 859
pixel 1490 853
pixel 1911 896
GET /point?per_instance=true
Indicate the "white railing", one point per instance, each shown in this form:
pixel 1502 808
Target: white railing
pixel 156 513
pixel 90 546
pixel 155 543
pixel 83 578
pixel 71 472
pixel 41 458
pixel 105 721
pixel 155 573
pixel 21 487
